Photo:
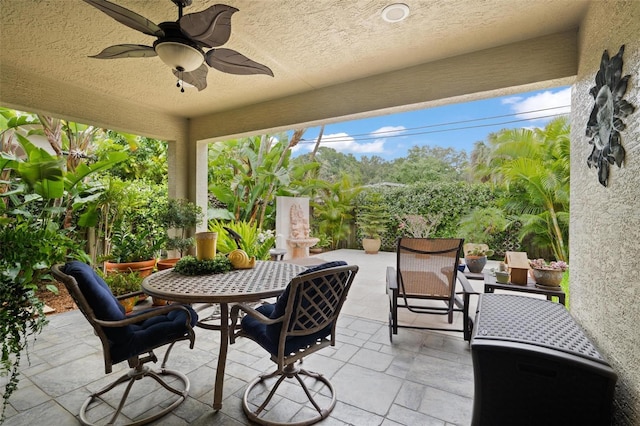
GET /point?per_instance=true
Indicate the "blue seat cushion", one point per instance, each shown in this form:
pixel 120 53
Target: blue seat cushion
pixel 267 335
pixel 134 339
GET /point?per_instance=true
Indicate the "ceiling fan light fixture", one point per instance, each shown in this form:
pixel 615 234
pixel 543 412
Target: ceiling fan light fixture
pixel 179 56
pixel 395 12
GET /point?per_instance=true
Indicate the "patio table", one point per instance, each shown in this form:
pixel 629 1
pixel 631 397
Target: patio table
pixel 266 279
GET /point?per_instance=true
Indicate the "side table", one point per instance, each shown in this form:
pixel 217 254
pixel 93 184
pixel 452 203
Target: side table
pixel 490 286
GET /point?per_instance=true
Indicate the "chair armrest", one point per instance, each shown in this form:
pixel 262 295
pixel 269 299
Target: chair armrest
pixel 235 314
pixel 133 319
pixel 392 278
pixel 128 295
pixel 466 286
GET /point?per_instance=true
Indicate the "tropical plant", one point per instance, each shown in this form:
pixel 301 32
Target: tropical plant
pixel 333 209
pixel 38 196
pixel 245 174
pixel 134 246
pixel 128 221
pixel 255 242
pixel 534 166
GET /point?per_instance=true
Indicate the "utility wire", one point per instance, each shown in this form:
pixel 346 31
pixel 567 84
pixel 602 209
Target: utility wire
pixel 394 133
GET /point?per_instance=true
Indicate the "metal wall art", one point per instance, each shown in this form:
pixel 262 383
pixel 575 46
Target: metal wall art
pixel 605 123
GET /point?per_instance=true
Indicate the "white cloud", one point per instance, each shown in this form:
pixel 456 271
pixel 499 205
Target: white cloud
pixel 386 131
pixel 541 101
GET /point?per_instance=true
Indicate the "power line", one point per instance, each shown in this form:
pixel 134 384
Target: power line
pixel 378 135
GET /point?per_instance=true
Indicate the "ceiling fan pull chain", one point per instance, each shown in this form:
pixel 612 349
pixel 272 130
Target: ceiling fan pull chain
pixel 180 82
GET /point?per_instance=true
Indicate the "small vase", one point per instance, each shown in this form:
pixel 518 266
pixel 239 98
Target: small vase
pixel 548 277
pixel 206 245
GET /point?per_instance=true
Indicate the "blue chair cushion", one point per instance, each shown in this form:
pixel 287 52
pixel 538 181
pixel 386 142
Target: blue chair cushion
pixel 267 336
pixel 130 340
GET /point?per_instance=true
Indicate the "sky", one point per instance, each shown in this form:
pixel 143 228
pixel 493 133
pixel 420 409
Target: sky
pixel 457 126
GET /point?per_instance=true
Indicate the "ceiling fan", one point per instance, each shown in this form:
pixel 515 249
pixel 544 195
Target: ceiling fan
pixel 181 44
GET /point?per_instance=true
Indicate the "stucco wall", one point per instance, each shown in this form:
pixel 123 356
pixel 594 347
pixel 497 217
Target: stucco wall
pixel 605 222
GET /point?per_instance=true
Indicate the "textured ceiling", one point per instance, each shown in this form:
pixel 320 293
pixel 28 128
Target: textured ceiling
pixel 309 45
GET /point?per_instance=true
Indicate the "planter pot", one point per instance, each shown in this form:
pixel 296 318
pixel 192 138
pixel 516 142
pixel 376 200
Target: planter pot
pixel 502 277
pixel 167 263
pixel 371 245
pixel 128 303
pixel 547 277
pixel 144 268
pixel 475 264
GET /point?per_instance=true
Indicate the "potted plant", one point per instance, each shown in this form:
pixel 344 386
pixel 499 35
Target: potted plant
pixel 323 244
pixel 372 220
pixel 475 256
pixel 133 252
pixel 180 216
pixel 122 284
pixel 548 274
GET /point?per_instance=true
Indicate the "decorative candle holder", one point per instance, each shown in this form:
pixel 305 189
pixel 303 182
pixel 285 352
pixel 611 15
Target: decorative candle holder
pixel 206 245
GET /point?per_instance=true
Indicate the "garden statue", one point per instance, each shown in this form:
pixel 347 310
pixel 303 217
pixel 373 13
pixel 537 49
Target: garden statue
pixel 299 239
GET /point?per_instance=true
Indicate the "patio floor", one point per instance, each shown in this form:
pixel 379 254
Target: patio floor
pixel 423 377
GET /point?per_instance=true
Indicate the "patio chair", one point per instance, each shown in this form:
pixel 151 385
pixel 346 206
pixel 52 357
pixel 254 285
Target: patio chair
pixel 301 322
pixel 129 338
pixel 427 271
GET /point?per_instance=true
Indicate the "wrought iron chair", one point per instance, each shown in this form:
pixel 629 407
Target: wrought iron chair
pixel 301 322
pixel 129 338
pixel 427 270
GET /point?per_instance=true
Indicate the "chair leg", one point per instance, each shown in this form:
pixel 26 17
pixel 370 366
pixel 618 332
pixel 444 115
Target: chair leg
pixel 131 377
pixel 290 371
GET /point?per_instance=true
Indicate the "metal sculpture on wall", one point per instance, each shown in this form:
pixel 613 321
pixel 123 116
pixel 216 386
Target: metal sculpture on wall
pixel 605 123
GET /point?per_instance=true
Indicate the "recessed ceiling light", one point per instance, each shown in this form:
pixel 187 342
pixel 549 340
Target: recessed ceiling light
pixel 395 12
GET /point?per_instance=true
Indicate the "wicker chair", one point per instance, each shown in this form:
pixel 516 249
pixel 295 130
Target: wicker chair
pixel 427 270
pixel 129 338
pixel 301 322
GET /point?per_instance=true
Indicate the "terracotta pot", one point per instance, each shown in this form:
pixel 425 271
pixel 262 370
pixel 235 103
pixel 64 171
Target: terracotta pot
pixel 167 263
pixel 128 303
pixel 547 277
pixel 144 268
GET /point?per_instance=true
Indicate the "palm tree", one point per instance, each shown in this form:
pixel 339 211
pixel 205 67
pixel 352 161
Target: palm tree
pixel 534 166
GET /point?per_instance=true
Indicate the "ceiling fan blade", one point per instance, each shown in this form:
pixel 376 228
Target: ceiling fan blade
pixel 197 78
pixel 210 27
pixel 232 62
pixel 126 51
pixel 127 17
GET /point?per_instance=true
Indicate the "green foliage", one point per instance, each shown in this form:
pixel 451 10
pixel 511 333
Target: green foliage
pixel 254 241
pixel 372 216
pixel 146 157
pixel 180 215
pixel 129 219
pixel 27 250
pixel 333 209
pixel 245 175
pixel 122 283
pixel 134 247
pixel 481 225
pixel 190 265
pixel 533 166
